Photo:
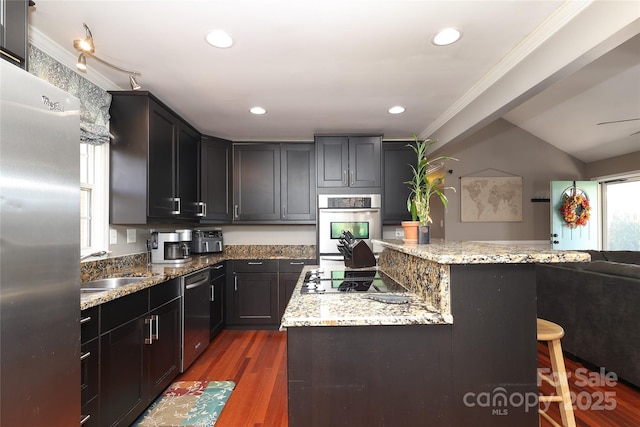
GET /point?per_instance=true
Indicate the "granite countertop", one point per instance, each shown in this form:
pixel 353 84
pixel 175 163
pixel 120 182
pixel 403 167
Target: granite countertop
pixel 355 309
pixel 158 273
pixel 454 252
pixel 154 274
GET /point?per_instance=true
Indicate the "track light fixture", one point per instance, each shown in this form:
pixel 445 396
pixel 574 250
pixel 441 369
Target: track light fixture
pixel 86 48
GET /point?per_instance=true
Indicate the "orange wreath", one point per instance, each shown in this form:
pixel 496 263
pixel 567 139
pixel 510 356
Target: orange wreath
pixel 575 210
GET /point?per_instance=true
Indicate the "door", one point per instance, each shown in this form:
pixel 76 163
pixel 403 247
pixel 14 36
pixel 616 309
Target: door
pixel 188 172
pixel 571 227
pixel 298 182
pixel 162 137
pixel 365 161
pixel 332 153
pixel 218 281
pixel 255 298
pixel 215 179
pixel 256 182
pixel 164 348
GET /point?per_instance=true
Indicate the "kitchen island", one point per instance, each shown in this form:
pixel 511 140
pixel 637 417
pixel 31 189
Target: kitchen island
pixel 461 352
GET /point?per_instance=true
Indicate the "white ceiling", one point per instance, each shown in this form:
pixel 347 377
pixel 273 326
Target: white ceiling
pixel 321 66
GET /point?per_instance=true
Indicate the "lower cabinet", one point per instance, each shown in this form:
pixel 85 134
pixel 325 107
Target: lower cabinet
pixel 288 274
pixel 258 291
pixel 89 368
pixel 139 351
pixel 217 317
pixel 254 292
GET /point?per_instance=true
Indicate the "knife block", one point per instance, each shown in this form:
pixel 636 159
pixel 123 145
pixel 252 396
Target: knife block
pixel 361 256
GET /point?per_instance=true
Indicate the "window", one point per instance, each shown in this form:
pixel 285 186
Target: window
pixel 93 198
pixel 621 214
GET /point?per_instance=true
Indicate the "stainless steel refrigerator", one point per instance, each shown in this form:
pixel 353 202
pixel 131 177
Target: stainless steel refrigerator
pixel 39 252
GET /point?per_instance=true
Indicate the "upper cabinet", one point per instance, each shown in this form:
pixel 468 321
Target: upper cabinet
pixel 154 165
pixel 349 161
pixel 274 182
pixel 215 179
pixel 13 31
pixel 396 158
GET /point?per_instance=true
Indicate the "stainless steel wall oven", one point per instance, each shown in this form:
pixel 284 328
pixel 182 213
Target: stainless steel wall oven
pixel 357 213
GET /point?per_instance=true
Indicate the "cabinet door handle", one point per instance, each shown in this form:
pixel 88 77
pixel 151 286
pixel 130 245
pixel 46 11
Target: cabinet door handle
pixel 149 321
pixel 212 298
pixel 296 263
pixel 203 209
pixel 344 177
pixel 217 267
pixel 351 175
pixel 284 211
pixel 156 319
pixel 235 283
pixel 235 211
pixel 84 418
pixel 85 355
pixel 176 200
pixel 254 263
pixel 85 319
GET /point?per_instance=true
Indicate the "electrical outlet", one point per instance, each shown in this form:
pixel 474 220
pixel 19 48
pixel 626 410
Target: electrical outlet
pixel 131 235
pixel 113 236
pixel 399 232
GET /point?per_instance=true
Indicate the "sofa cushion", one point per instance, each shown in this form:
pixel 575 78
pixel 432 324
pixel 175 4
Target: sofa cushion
pixel 627 257
pixel 596 255
pixel 614 269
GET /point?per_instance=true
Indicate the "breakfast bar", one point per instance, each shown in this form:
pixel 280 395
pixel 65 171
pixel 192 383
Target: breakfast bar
pixel 461 351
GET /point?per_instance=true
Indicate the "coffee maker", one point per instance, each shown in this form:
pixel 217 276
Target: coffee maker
pixel 172 247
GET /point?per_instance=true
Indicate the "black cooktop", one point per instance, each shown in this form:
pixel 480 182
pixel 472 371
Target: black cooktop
pixel 321 281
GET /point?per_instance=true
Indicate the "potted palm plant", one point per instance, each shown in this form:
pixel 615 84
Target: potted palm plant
pixel 421 189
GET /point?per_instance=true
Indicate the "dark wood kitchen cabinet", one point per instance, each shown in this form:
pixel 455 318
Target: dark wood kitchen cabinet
pixel 274 182
pixel 288 273
pixel 13 31
pixel 139 351
pixel 154 165
pixel 252 297
pixel 298 182
pixel 349 162
pixel 396 158
pixel 89 367
pixel 256 182
pixel 218 277
pixel 122 343
pixel 164 321
pixel 216 190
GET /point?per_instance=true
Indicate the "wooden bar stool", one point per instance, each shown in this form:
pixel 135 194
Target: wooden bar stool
pixel 551 333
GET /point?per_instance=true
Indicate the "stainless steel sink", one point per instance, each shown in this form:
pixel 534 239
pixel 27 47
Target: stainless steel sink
pixel 102 285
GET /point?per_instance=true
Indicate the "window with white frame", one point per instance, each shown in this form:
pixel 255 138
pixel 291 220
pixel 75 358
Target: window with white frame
pixel 621 214
pixel 93 198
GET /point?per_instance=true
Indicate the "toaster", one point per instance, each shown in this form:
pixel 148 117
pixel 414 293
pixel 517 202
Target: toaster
pixel 206 241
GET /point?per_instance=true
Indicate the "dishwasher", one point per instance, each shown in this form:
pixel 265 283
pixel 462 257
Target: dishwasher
pixel 195 316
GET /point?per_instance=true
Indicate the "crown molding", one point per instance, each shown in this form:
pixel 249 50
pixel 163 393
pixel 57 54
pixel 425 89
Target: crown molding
pixel 68 59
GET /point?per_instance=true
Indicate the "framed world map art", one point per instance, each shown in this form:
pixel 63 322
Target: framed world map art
pixel 490 199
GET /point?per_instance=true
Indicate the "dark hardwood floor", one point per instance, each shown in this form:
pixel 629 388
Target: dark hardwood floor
pixel 257 362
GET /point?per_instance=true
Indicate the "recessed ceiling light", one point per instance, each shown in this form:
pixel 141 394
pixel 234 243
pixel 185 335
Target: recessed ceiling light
pixel 219 38
pixel 396 110
pixel 257 110
pixel 446 36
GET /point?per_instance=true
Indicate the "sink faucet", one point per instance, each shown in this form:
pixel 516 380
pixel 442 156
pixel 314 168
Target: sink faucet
pixel 99 253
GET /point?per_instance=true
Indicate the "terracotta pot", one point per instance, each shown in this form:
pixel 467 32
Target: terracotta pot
pixel 410 231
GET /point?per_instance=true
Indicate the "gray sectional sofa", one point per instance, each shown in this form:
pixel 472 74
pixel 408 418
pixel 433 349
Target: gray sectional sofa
pixel 598 305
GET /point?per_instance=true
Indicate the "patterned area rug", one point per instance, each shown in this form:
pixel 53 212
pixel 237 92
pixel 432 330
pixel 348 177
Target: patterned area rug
pixel 188 403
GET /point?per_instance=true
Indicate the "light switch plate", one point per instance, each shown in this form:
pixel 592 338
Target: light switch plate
pixel 399 232
pixel 113 236
pixel 131 235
